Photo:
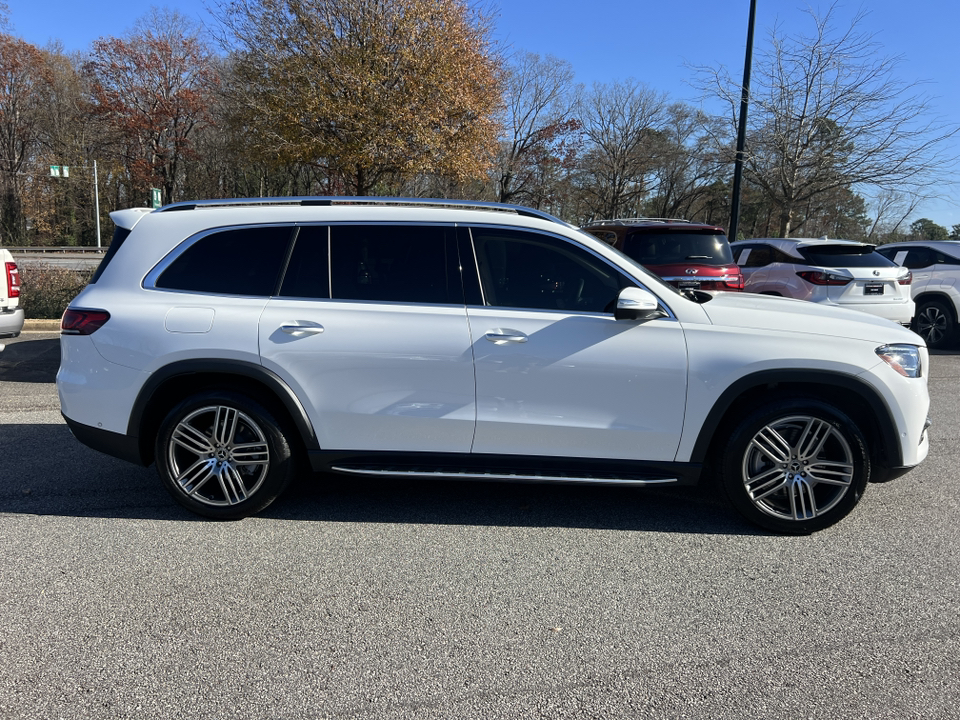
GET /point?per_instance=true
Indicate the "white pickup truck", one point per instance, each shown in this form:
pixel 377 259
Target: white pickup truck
pixel 11 314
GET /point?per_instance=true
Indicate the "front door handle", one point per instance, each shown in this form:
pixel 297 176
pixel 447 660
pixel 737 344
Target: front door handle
pixel 293 328
pixel 501 336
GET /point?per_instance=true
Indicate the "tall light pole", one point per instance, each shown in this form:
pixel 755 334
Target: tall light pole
pixel 742 127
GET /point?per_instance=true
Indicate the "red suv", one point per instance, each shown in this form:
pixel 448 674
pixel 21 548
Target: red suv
pixel 685 254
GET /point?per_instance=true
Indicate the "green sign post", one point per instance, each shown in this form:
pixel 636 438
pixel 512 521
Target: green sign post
pixel 155 198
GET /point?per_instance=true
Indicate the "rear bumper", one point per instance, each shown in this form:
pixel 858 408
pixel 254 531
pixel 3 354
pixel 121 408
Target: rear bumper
pixel 120 446
pixel 11 322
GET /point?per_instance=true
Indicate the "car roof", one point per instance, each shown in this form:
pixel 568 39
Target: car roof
pixel 947 246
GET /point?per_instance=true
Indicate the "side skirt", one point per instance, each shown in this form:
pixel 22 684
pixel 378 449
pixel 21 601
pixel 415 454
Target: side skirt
pixel 510 468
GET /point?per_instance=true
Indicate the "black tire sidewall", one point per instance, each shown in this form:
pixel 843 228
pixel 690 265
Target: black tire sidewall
pixel 949 332
pixel 280 471
pixel 731 463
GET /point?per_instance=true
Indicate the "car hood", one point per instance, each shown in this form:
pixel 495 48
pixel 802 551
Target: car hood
pixel 778 314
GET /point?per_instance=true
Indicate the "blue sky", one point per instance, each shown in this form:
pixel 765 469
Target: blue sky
pixel 606 40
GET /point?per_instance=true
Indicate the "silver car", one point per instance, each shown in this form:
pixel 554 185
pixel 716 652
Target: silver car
pixel 831 272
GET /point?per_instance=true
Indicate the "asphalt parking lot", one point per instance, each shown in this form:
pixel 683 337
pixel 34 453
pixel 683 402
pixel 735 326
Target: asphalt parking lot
pixel 363 599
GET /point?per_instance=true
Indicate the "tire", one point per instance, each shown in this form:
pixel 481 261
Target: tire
pixel 934 323
pixel 795 466
pixel 223 455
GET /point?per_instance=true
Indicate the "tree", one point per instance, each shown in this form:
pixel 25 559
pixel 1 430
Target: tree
pixel 366 89
pixel 538 127
pixel 152 91
pixel 619 121
pixel 23 78
pixel 955 232
pixel 827 111
pixel 926 229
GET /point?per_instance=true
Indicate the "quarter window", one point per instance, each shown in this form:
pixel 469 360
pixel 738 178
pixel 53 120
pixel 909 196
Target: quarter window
pixel 242 261
pixel 528 270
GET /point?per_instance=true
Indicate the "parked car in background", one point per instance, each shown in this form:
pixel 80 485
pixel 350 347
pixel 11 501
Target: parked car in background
pixel 232 342
pixel 11 314
pixel 685 254
pixel 936 286
pixel 842 273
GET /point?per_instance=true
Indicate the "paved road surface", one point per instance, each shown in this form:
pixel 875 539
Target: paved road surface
pixel 424 600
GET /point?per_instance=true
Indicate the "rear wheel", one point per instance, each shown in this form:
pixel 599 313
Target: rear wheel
pixel 795 466
pixel 223 455
pixel 934 323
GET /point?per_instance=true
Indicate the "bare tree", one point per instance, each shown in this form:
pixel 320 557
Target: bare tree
pixel 827 110
pixel 538 96
pixel 618 121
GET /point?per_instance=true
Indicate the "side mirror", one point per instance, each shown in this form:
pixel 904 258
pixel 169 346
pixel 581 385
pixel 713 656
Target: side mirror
pixel 635 303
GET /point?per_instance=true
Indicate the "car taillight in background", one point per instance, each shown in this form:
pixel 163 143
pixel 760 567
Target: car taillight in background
pixel 82 322
pixel 906 279
pixel 734 282
pixel 13 280
pixel 823 278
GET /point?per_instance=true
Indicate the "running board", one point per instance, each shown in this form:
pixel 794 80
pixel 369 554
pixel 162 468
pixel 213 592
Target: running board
pixel 440 473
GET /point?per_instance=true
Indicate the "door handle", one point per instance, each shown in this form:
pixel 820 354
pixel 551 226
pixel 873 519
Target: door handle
pixel 502 336
pixel 295 329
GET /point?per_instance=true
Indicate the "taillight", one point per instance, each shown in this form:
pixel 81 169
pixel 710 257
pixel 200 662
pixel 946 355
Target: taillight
pixel 906 279
pixel 82 322
pixel 823 278
pixel 735 282
pixel 13 280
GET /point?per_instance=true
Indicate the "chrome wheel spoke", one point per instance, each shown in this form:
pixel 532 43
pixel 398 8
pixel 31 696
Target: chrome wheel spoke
pixel 831 473
pixel 773 445
pixel 191 439
pixel 196 476
pixel 803 502
pixel 225 428
pixel 765 482
pixel 814 436
pixel 255 453
pixel 231 483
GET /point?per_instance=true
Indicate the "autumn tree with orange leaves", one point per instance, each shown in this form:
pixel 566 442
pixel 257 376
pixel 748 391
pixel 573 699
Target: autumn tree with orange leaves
pixel 152 91
pixel 367 90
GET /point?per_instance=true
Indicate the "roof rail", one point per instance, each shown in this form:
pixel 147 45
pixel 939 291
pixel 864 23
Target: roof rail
pixel 364 200
pixel 634 220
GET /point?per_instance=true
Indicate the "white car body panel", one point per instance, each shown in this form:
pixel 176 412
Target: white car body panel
pixel 379 376
pixel 578 385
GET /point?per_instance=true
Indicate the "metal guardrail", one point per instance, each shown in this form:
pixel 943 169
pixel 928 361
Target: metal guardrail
pixel 55 250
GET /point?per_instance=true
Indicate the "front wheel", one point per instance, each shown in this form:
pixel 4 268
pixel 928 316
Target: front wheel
pixel 795 466
pixel 934 323
pixel 223 455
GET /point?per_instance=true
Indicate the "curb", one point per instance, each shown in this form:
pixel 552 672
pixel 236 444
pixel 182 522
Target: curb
pixel 41 325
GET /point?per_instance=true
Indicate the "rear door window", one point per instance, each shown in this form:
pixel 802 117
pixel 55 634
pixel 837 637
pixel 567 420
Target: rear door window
pixel 395 263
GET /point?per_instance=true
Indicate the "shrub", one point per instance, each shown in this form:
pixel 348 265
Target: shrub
pixel 46 290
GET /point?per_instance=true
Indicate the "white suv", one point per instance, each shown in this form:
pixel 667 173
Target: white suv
pixel 230 342
pixel 936 271
pixel 830 272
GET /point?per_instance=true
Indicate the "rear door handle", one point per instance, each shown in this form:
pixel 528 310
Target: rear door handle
pixel 501 336
pixel 292 328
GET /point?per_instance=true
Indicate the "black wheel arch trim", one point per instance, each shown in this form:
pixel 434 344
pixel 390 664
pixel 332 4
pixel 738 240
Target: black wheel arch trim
pixel 939 296
pixel 773 378
pixel 226 367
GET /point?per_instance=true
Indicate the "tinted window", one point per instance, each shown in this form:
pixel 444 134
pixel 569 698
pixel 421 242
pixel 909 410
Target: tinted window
pixel 671 248
pixel 308 272
pixel 394 263
pixel 844 256
pixel 528 270
pixel 119 235
pixel 244 261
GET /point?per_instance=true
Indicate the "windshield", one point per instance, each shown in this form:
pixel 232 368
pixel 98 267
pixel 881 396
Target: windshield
pixel 861 256
pixel 672 248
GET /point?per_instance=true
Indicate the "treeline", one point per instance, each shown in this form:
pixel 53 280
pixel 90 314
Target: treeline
pixel 413 98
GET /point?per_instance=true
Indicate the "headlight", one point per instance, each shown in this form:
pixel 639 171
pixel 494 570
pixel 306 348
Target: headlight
pixel 905 359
